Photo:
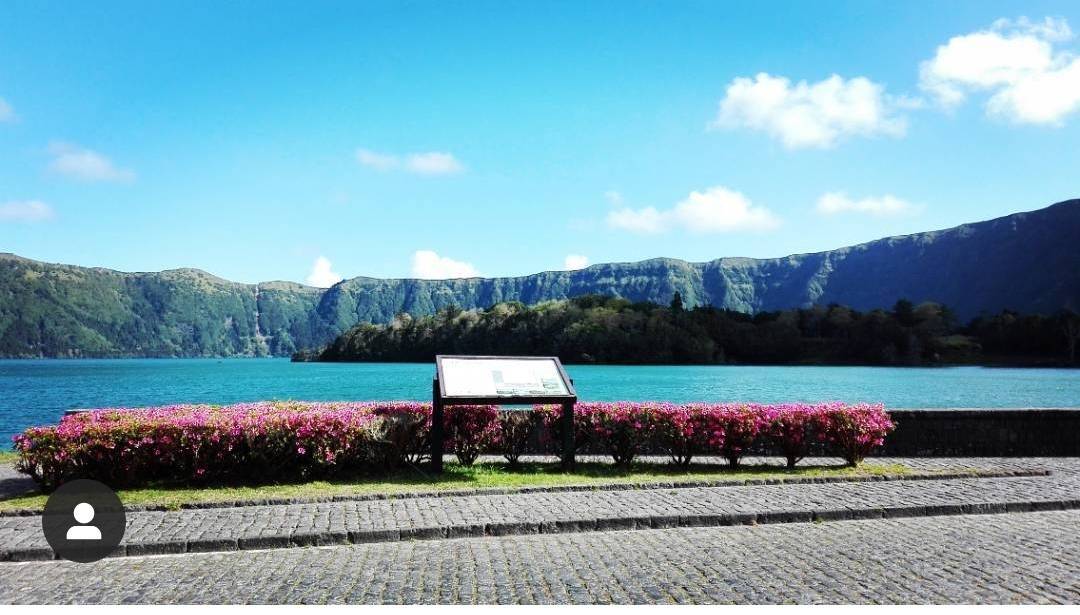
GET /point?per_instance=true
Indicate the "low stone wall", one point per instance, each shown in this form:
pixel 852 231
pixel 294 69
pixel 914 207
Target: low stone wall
pixel 951 432
pixel 963 432
pixel 985 432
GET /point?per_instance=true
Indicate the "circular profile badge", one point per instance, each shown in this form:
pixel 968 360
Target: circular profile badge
pixel 83 521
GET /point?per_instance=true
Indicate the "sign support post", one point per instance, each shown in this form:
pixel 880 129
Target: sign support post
pixel 482 380
pixel 568 436
pixel 437 435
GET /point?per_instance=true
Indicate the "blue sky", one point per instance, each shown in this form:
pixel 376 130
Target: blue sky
pixel 264 141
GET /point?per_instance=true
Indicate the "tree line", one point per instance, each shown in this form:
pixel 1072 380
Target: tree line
pixel 599 329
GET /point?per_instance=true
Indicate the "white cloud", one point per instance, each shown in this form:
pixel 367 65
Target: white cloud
pixel 87 165
pixel 322 273
pixel 7 113
pixel 713 210
pixel 1054 29
pixel 1016 63
pixel 613 197
pixel 832 203
pixel 375 160
pixel 575 261
pixel 719 210
pixel 434 163
pixel 419 163
pixel 25 211
pixel 647 220
pixel 810 115
pixel 428 265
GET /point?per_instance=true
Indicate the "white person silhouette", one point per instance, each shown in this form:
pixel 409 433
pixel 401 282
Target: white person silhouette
pixel 84 514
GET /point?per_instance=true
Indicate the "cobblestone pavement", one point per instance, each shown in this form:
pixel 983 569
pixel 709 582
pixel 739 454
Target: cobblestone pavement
pixel 1007 558
pixel 253 527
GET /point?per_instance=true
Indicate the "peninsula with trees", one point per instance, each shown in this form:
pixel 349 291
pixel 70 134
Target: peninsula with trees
pixel 596 329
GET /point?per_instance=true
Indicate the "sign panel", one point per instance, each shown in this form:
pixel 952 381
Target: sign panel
pixel 475 377
pixel 463 379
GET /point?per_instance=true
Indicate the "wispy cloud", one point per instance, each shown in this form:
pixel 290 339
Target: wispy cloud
pixel 713 210
pixel 832 203
pixel 418 163
pixel 575 261
pixel 323 274
pixel 613 197
pixel 645 220
pixel 84 164
pixel 810 115
pixel 25 211
pixel 7 112
pixel 428 265
pixel 375 160
pixel 434 163
pixel 1017 63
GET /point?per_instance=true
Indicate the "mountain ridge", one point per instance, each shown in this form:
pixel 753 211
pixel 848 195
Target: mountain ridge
pixel 1067 202
pixel 49 309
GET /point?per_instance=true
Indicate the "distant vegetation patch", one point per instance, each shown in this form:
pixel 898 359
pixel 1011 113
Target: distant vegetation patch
pixel 610 330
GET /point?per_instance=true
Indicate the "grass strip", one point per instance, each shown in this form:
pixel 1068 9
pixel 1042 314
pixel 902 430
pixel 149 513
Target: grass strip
pixel 485 475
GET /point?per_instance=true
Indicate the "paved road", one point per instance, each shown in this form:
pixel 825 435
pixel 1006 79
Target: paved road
pixel 154 532
pixel 1006 558
pixel 12 483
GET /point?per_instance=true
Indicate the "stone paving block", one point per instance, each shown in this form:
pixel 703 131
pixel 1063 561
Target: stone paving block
pixel 944 509
pixel 836 514
pixel 615 523
pixel 992 558
pixel 422 533
pixel 462 531
pixel 906 511
pixel 363 536
pixel 544 511
pixel 739 519
pixel 204 545
pixel 660 522
pixel 701 520
pixel 263 542
pixel 31 554
pixel 573 525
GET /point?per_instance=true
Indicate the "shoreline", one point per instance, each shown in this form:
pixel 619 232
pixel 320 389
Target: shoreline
pixel 988 365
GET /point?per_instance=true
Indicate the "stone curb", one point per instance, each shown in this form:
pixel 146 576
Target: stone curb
pixel 517 528
pixel 690 484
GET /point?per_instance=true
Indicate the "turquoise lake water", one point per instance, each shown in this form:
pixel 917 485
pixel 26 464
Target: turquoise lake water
pixel 38 392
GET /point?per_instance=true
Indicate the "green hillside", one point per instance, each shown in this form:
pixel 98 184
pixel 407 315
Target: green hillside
pixel 1027 262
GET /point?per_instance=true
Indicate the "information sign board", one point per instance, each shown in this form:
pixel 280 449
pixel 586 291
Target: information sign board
pixel 502 377
pixel 466 380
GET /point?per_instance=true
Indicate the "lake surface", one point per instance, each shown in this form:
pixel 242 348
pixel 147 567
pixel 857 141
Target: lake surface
pixel 38 392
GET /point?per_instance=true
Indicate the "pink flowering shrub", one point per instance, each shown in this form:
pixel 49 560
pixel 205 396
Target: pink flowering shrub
pixel 684 430
pixel 793 428
pixel 515 428
pixel 856 430
pixel 257 442
pixel 405 432
pixel 551 421
pixel 471 430
pixel 622 427
pixel 198 444
pixel 737 429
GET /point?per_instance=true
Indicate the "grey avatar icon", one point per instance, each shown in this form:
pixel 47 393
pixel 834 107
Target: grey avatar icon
pixel 83 521
pixel 84 514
